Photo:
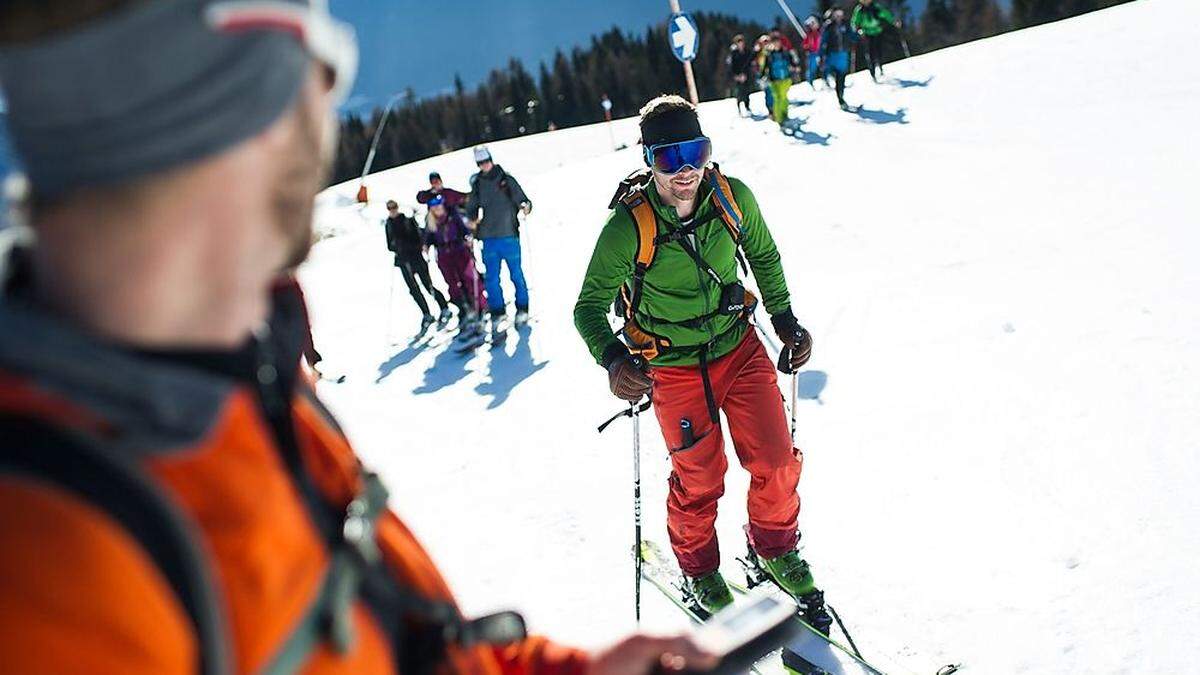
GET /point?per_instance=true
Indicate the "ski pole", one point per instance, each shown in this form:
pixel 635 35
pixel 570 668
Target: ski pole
pixel 904 44
pixel 637 512
pixel 795 385
pixel 391 300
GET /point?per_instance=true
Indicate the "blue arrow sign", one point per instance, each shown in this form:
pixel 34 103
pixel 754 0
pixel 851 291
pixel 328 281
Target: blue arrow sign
pixel 683 36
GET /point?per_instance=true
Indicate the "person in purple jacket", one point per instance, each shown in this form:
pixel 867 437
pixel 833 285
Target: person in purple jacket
pixel 448 234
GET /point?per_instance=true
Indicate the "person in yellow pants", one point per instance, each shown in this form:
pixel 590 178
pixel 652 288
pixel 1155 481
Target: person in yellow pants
pixel 778 60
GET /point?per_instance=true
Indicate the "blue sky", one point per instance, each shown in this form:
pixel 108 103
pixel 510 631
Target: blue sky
pixel 422 45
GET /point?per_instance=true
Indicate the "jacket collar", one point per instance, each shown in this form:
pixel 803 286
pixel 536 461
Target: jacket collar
pixel 147 404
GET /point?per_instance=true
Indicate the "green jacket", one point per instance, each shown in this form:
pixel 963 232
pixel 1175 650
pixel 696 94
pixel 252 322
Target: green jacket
pixel 675 289
pixel 870 20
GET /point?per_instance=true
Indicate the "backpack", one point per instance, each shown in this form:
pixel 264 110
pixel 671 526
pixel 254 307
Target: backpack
pixel 631 196
pixel 507 189
pixel 779 66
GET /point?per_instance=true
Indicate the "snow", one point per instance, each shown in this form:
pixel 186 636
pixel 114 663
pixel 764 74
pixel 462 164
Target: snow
pixel 997 259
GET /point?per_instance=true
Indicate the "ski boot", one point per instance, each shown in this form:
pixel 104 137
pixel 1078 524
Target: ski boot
pixel 426 322
pixel 468 326
pixel 707 594
pixel 790 572
pixel 522 318
pixel 499 327
pixel 444 317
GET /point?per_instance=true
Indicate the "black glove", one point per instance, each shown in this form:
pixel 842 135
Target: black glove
pixel 797 343
pixel 627 376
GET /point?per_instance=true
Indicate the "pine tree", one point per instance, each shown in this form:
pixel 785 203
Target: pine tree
pixel 976 19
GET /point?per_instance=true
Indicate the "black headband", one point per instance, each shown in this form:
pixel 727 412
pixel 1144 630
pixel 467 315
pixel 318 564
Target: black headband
pixel 672 126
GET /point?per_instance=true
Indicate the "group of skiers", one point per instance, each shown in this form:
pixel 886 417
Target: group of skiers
pixel 490 212
pixel 828 46
pixel 174 497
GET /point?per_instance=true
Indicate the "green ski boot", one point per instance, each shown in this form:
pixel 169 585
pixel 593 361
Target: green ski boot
pixel 709 593
pixel 790 572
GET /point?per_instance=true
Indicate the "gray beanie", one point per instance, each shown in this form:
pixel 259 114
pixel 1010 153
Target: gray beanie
pixel 152 87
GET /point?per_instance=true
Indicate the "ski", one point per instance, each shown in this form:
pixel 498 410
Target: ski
pixel 814 653
pixel 469 345
pixel 667 578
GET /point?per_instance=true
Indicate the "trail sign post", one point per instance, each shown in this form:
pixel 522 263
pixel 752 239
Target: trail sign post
pixel 684 38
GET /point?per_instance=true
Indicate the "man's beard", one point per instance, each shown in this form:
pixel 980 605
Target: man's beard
pixel 680 194
pixel 303 174
pixel 684 195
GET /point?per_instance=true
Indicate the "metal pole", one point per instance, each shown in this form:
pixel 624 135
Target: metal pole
pixel 391 300
pixel 687 65
pixel 792 17
pixel 378 133
pixel 637 512
pixel 795 386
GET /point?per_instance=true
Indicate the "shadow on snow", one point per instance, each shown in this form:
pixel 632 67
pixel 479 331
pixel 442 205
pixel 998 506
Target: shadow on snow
pixel 447 368
pixel 400 358
pixel 797 132
pixel 883 116
pixel 506 370
pixel 810 384
pixel 901 83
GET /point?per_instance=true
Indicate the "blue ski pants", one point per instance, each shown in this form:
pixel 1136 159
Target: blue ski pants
pixel 503 250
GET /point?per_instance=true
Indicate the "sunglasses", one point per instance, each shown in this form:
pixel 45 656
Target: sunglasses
pixel 671 158
pixel 326 39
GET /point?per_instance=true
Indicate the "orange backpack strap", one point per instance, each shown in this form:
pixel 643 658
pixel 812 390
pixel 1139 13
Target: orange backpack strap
pixel 727 206
pixel 646 223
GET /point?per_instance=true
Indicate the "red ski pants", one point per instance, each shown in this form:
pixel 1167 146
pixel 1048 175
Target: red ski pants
pixel 745 389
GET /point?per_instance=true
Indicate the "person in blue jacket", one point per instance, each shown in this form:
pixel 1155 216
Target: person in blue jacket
pixel 837 40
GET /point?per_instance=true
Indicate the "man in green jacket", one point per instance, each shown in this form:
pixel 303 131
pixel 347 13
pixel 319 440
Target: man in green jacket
pixel 702 355
pixel 869 19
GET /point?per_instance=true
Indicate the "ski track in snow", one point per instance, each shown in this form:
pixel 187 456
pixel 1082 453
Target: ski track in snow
pixel 997 259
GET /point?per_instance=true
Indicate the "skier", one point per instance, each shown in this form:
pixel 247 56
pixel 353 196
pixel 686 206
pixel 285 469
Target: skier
pixel 760 76
pixel 174 498
pixel 407 241
pixel 450 236
pixel 740 61
pixel 454 198
pixel 812 49
pixel 837 39
pixel 501 199
pixel 777 60
pixel 869 19
pixel 669 250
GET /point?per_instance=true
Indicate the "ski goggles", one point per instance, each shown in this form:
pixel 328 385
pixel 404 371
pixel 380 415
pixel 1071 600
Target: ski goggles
pixel 671 158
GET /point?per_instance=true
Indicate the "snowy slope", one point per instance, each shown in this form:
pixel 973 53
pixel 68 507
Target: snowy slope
pixel 997 258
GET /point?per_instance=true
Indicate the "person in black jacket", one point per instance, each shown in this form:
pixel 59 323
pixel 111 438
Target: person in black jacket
pixel 741 68
pixel 406 240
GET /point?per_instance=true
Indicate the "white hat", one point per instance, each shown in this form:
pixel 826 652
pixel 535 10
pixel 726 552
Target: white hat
pixel 482 154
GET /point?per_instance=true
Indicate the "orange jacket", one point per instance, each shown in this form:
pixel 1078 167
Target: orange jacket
pixel 80 589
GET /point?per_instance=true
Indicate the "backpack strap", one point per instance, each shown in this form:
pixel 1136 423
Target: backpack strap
pixel 731 213
pixel 61 458
pixel 646 223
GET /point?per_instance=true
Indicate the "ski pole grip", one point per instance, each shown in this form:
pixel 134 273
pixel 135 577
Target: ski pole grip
pixel 785 360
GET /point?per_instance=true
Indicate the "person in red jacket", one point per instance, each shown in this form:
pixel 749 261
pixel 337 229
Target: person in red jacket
pixel 174 498
pixel 453 198
pixel 812 49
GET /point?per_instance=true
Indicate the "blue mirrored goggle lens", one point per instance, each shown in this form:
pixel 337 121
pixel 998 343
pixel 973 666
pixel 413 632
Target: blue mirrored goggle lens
pixel 674 157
